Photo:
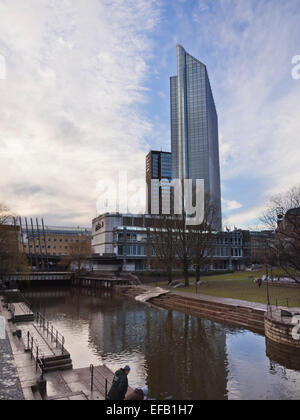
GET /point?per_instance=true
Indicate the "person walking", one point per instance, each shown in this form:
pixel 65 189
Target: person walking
pixel 119 386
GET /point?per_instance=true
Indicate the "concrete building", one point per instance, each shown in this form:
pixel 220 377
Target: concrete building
pixel 52 241
pixel 194 128
pixel 121 241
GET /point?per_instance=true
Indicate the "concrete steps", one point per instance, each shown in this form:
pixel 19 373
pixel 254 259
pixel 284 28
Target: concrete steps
pixel 242 317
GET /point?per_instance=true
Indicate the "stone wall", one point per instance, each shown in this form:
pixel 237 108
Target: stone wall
pixel 280 332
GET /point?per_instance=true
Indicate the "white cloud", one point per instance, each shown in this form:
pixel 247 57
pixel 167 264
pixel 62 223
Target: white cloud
pixel 230 205
pixel 76 71
pixel 245 219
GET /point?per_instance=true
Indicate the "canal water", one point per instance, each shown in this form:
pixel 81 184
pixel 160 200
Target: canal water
pixel 177 355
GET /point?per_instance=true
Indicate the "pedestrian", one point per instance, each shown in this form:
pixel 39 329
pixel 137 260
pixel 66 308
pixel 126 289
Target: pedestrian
pixel 139 394
pixel 259 282
pixel 119 386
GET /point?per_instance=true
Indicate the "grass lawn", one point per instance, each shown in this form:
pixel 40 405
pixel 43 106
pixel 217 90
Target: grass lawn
pixel 241 286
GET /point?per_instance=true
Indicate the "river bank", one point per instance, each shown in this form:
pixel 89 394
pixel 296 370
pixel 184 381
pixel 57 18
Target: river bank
pixel 236 313
pixel 177 355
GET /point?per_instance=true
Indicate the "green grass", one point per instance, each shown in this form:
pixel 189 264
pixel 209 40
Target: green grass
pixel 241 286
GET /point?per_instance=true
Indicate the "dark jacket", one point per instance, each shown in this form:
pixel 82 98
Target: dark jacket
pixel 119 386
pixel 136 395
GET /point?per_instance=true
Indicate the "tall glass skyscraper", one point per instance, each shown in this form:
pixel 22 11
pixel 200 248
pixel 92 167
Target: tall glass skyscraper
pixel 194 127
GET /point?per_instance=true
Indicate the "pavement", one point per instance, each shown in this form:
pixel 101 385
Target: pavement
pixel 215 299
pixel 10 388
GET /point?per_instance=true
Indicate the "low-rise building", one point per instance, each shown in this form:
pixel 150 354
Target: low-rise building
pixel 122 240
pixel 52 241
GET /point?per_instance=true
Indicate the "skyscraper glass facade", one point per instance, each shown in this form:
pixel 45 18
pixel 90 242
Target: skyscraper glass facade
pixel 194 127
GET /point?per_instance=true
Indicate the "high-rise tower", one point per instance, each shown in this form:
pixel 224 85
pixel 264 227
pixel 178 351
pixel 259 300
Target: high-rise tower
pixel 194 128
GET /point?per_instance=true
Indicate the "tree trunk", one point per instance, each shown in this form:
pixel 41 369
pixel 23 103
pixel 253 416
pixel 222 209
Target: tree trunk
pixel 197 273
pixel 170 274
pixel 186 271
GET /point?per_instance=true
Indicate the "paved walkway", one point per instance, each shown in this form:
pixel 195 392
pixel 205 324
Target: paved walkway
pixel 10 388
pixel 39 339
pixel 215 299
pixel 227 301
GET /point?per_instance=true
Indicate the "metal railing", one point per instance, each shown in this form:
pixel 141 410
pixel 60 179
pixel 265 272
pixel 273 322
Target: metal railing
pixel 25 308
pixel 95 380
pixel 38 276
pixel 36 354
pixel 52 333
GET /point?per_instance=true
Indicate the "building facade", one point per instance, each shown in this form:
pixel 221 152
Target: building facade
pixel 123 240
pixel 159 170
pixel 194 128
pixel 52 241
pixel 46 246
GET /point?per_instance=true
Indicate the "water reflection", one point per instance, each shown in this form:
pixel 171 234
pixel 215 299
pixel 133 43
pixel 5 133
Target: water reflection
pixel 177 355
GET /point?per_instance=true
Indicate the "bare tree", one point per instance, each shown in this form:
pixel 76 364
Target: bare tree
pixel 161 240
pixel 202 239
pixel 283 216
pixel 11 258
pixel 80 252
pixel 182 244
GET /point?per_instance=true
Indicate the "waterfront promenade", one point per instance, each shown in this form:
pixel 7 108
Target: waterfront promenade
pixel 19 376
pixel 10 388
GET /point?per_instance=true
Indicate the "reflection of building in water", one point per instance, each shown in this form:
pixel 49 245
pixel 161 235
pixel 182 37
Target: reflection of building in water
pixel 120 327
pixel 182 355
pixel 186 356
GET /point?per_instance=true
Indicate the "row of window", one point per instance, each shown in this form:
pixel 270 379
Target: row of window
pixel 140 251
pixel 226 241
pixel 133 237
pixel 43 247
pixel 224 252
pixel 132 250
pixel 57 240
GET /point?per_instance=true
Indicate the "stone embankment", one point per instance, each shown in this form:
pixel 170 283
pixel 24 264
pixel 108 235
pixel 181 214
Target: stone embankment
pixel 228 311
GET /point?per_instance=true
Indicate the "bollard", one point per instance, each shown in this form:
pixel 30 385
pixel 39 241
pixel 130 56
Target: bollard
pixel 42 387
pixel 31 348
pixel 37 358
pixel 92 377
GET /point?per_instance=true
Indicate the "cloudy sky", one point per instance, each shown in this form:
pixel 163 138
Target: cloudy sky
pixel 85 95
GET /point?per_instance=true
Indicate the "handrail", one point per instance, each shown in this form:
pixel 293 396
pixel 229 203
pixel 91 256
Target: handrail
pixel 48 328
pixel 94 379
pixel 36 353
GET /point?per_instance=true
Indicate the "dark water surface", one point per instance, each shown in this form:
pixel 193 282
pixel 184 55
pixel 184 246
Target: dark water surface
pixel 176 355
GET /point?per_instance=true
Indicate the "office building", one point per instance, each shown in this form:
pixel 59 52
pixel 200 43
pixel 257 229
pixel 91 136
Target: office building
pixel 194 128
pixel 158 168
